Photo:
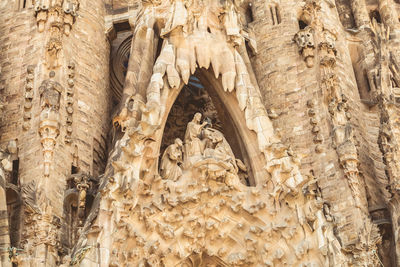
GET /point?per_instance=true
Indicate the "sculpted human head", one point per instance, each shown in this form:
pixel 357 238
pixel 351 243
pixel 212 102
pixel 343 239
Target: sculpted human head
pixel 197 117
pixel 179 142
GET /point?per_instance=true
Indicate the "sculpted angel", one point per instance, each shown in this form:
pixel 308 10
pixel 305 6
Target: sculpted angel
pixel 171 161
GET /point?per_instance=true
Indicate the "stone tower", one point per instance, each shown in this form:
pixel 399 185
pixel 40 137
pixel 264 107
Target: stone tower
pixel 199 133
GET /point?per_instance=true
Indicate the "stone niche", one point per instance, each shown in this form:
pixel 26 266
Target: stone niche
pixel 196 98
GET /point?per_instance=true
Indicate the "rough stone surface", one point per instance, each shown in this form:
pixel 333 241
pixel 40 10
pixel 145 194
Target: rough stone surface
pixel 199 133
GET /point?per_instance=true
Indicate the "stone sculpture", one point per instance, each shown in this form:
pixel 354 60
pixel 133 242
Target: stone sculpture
pixel 193 133
pixel 171 161
pixel 49 128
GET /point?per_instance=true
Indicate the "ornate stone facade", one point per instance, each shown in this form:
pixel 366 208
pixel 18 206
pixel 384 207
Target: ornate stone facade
pixel 199 133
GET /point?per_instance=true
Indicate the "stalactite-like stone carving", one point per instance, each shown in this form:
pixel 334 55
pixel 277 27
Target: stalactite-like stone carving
pixel 305 42
pixel 70 102
pixel 49 128
pixel 192 211
pixel 29 94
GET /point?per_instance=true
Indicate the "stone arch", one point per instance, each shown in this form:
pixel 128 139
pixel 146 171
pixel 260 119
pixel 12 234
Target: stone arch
pixel 251 153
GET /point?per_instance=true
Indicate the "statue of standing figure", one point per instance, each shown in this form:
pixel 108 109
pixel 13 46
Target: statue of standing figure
pixel 194 146
pixel 50 93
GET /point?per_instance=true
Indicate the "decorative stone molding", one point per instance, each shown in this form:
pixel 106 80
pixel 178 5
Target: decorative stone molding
pixel 29 94
pixel 60 16
pixel 314 120
pixel 63 12
pixel 70 102
pixel 49 127
pixel 305 42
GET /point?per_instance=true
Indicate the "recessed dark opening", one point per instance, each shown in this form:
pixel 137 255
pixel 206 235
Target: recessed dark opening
pixel 374 14
pixel 122 26
pixel 249 14
pixel 74 169
pixel 14 174
pixel 159 47
pixel 302 25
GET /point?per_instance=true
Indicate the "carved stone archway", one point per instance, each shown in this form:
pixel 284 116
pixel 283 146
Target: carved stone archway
pixel 229 107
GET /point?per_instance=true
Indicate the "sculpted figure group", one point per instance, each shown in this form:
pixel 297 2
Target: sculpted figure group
pixel 204 149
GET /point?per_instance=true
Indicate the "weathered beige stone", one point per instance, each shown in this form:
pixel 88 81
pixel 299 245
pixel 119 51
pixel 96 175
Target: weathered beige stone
pixel 199 133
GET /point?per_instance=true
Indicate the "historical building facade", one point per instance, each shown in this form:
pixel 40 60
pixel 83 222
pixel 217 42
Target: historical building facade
pixel 199 133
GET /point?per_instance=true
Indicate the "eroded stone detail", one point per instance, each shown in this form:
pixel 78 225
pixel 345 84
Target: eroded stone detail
pixel 305 42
